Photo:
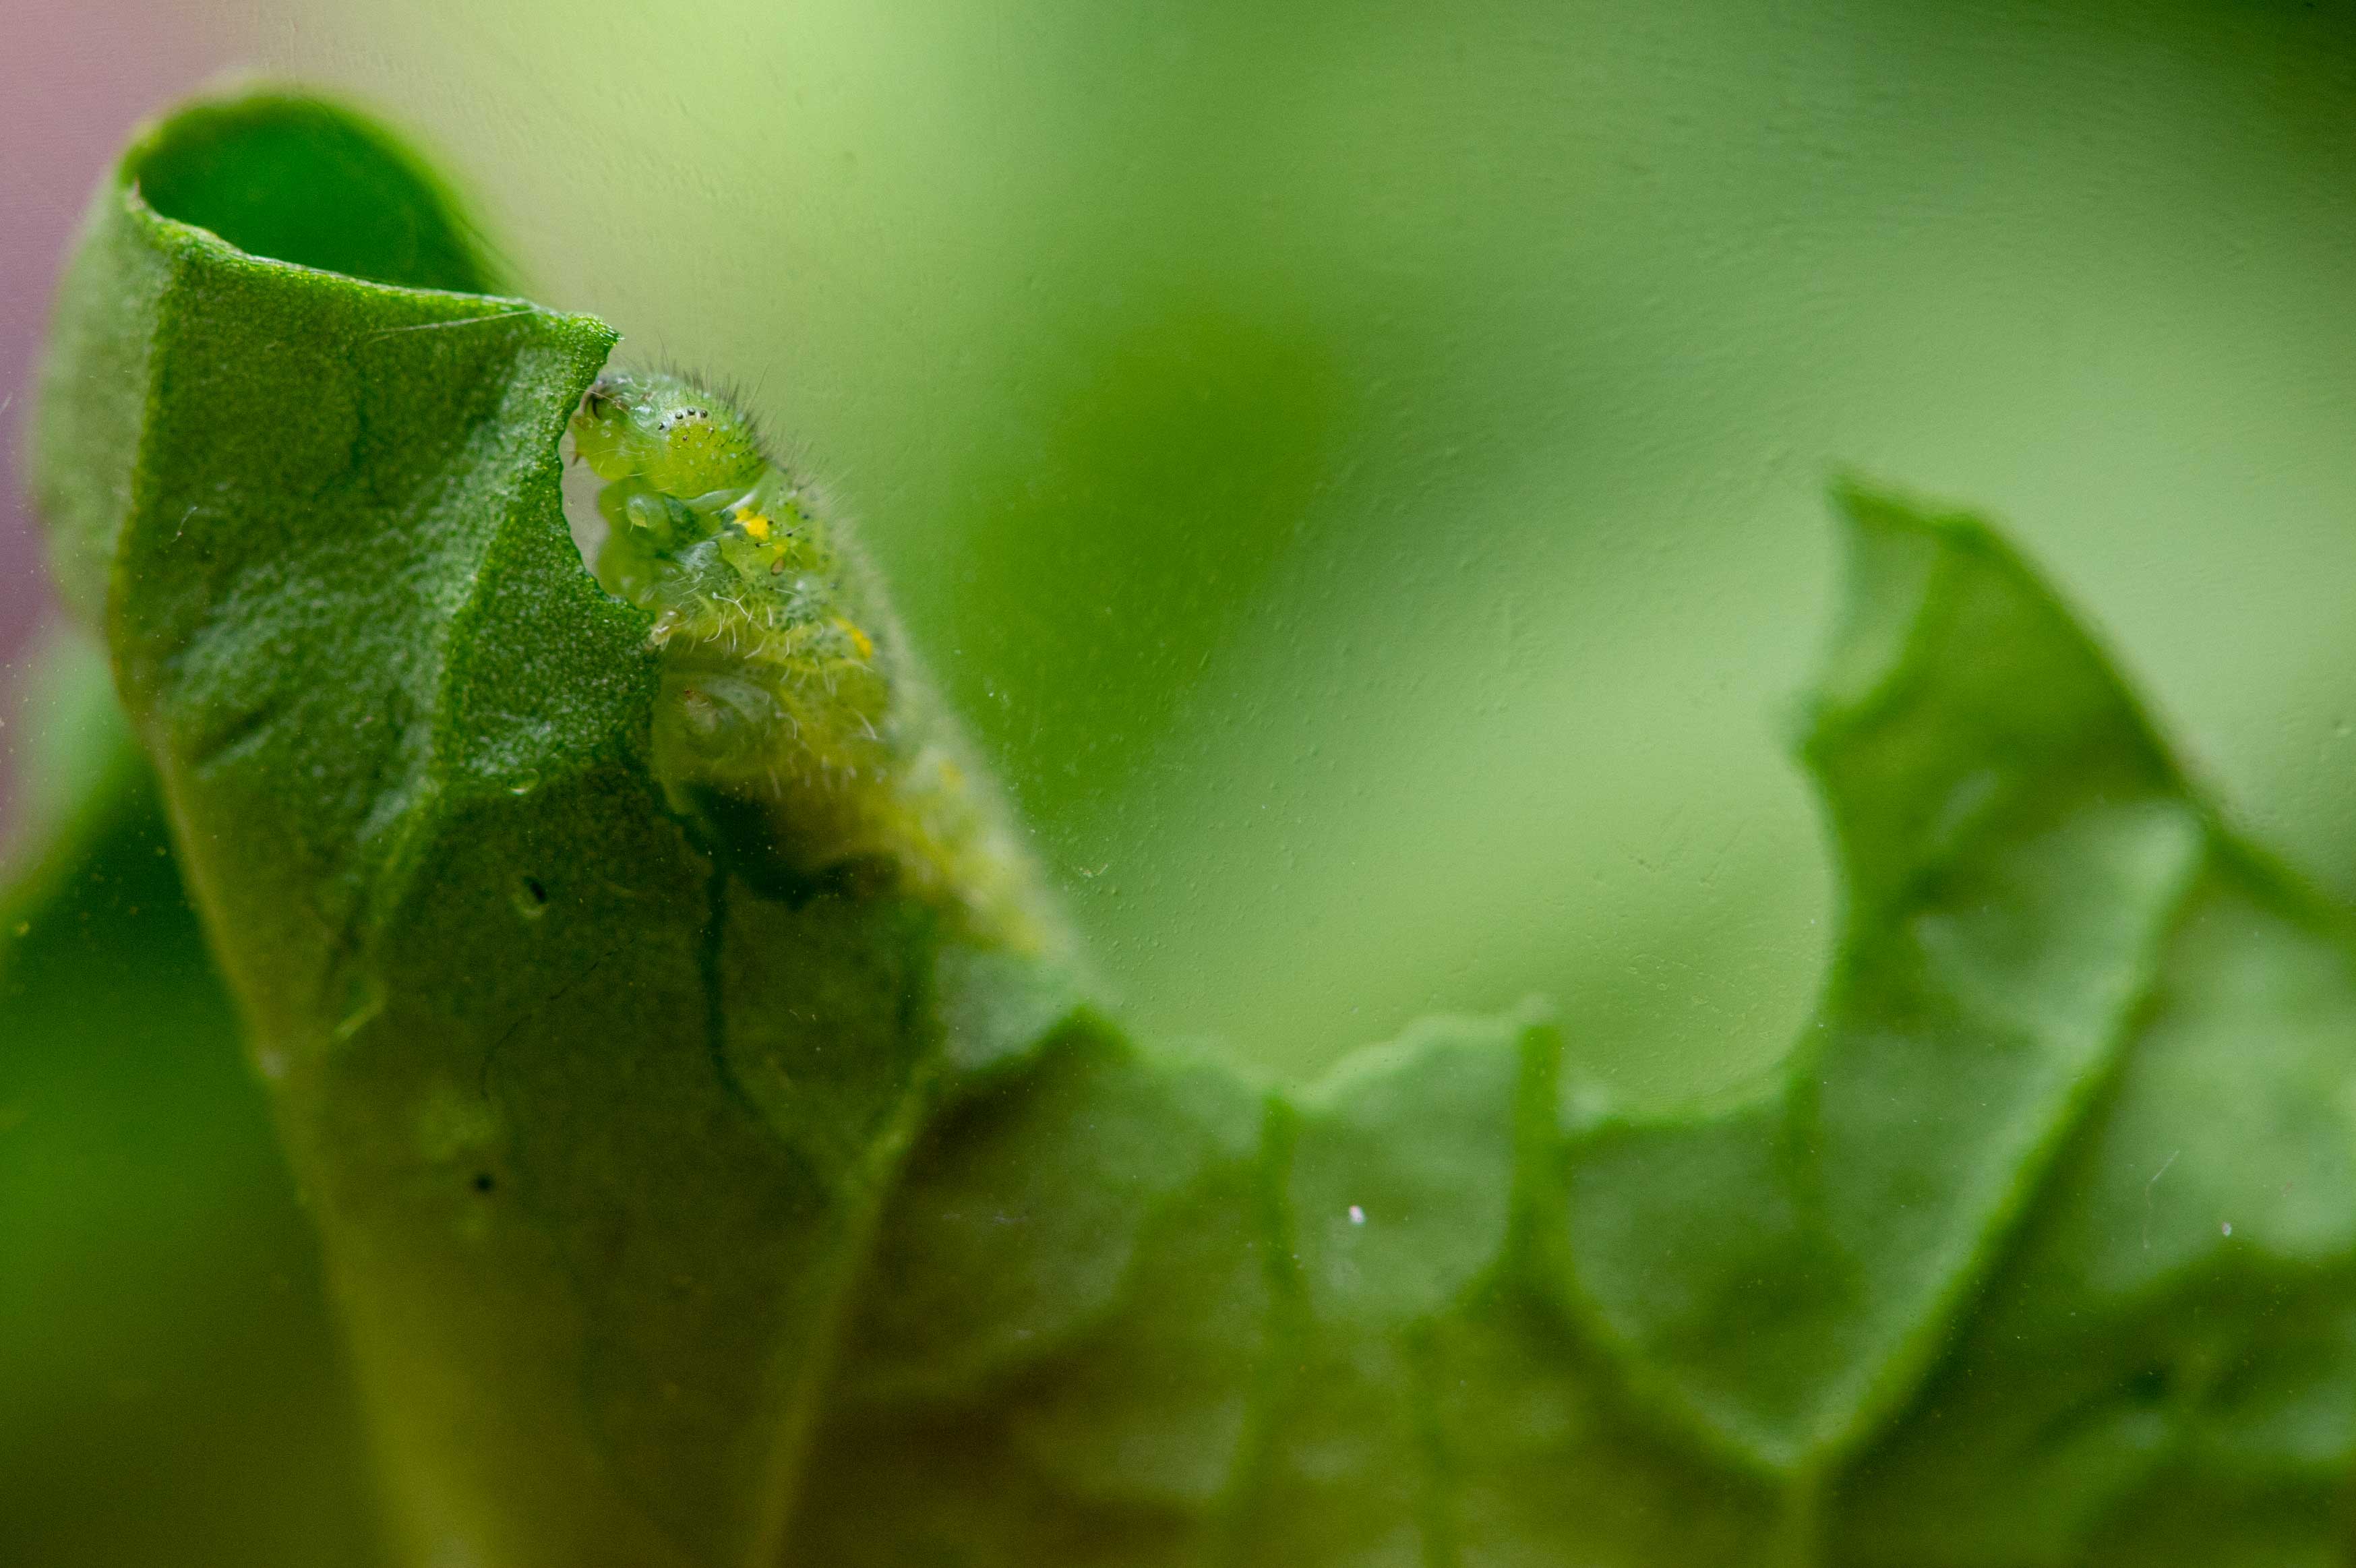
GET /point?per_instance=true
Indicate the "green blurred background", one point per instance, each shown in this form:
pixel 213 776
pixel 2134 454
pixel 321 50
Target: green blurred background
pixel 1360 469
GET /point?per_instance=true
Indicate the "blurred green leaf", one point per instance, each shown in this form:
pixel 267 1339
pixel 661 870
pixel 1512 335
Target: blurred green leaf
pixel 673 1224
pixel 170 1390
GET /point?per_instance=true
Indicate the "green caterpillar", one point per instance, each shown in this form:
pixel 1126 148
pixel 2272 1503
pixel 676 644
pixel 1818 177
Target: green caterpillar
pixel 792 726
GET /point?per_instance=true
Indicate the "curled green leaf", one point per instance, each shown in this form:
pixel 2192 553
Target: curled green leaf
pixel 682 1213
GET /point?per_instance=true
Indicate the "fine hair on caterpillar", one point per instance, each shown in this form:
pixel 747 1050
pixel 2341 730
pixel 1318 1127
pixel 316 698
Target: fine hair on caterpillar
pixel 793 728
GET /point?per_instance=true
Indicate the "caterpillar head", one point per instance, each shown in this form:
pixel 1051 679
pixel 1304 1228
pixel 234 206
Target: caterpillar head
pixel 667 433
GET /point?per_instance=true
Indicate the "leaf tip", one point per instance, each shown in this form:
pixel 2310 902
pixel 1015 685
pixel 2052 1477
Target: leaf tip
pixel 1893 549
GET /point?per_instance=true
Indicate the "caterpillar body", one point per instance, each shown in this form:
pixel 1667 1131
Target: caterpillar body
pixel 793 728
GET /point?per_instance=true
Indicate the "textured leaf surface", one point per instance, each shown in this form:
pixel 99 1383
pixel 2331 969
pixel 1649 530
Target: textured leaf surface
pixel 671 1224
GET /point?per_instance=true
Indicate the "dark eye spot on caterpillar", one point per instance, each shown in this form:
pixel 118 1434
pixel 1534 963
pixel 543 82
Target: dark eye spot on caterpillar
pixel 793 731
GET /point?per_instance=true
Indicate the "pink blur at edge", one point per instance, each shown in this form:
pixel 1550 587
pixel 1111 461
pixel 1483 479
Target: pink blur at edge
pixel 75 76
